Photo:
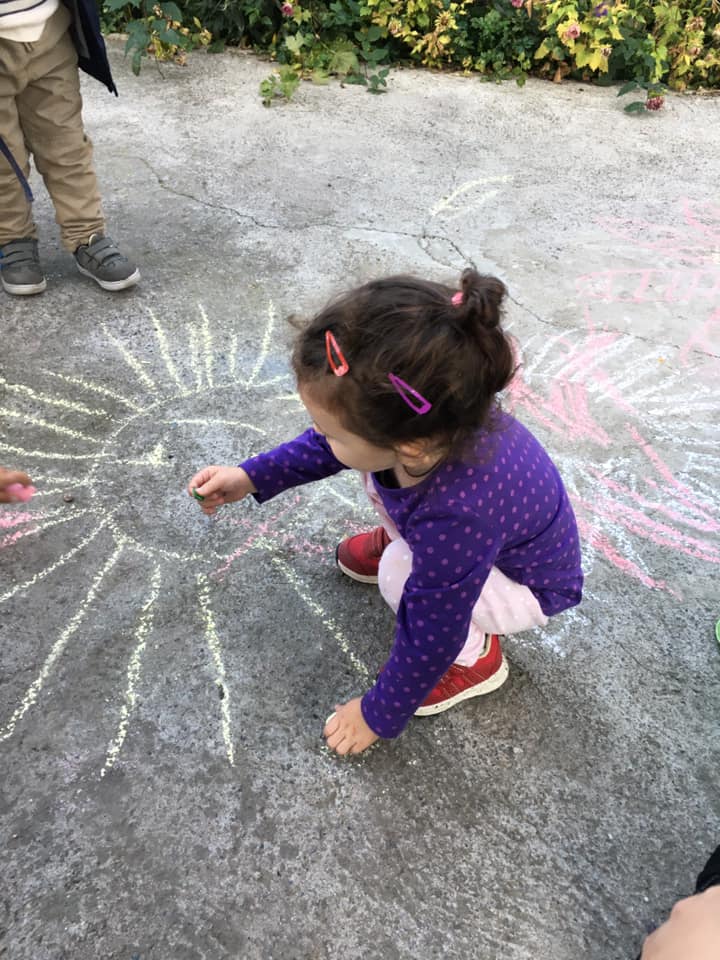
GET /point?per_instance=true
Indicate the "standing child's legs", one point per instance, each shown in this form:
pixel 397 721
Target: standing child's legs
pixel 16 220
pixel 41 113
pixel 50 111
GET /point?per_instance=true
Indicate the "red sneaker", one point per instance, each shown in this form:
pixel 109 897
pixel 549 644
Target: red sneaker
pixel 489 672
pixel 359 556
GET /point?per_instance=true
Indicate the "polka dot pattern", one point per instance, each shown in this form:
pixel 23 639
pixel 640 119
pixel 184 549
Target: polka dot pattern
pixel 508 510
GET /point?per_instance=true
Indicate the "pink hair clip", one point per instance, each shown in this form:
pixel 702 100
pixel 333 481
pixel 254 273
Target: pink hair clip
pixel 338 363
pixel 407 392
pixel 457 299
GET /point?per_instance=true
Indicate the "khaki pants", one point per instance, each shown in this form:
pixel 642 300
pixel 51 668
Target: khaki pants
pixel 40 114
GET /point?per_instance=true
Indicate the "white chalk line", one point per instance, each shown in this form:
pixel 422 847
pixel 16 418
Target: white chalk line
pixel 95 388
pixel 53 427
pixel 232 361
pixel 265 347
pixel 206 347
pixel 206 421
pixel 446 202
pixel 58 563
pixel 131 361
pixel 339 496
pixel 194 342
pixel 165 352
pixel 213 642
pixel 52 401
pixel 142 630
pixel 51 478
pixel 57 648
pixel 303 592
pixel 42 455
pixel 55 490
pixel 45 522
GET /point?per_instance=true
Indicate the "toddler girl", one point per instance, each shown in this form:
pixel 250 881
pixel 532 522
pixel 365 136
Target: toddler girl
pixel 400 377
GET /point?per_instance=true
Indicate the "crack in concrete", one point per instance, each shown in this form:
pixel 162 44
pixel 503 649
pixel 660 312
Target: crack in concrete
pixel 422 241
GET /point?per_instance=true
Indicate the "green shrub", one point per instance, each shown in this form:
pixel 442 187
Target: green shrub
pixel 159 29
pixel 651 42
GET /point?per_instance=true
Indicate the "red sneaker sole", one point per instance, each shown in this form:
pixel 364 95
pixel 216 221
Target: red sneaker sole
pixel 360 577
pixel 487 686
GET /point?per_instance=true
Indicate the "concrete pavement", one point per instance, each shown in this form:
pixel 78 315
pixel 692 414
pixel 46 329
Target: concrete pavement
pixel 164 679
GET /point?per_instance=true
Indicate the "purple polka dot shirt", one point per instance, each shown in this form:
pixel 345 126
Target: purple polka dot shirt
pixel 506 506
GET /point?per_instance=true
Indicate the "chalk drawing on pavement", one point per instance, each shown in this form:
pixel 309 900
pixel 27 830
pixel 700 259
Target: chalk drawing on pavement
pixel 124 435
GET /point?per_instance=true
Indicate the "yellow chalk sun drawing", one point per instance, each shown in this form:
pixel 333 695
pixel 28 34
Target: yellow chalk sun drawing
pixel 131 465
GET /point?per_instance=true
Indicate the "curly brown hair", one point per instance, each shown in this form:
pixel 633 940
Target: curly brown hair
pixel 457 356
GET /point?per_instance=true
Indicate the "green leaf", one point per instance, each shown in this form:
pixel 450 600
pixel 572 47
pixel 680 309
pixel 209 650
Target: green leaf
pixel 343 62
pixel 136 60
pixel 172 11
pixel 295 43
pixel 113 5
pixel 627 87
pixel 637 106
pixel 169 35
pixel 374 33
pixel 320 77
pixel 217 46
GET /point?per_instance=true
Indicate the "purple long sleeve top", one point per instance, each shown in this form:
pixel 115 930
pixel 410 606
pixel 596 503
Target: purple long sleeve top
pixel 506 507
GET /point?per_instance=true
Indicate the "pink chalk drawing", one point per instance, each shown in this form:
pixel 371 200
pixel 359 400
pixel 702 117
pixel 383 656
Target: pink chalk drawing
pixel 633 505
pixel 18 519
pixel 275 533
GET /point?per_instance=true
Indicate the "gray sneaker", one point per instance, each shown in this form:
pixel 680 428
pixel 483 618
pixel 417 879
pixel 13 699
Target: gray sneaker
pixel 101 260
pixel 20 269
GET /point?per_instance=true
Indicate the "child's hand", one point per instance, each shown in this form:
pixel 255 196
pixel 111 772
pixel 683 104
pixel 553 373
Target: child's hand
pixel 218 485
pixel 691 933
pixel 346 730
pixel 7 479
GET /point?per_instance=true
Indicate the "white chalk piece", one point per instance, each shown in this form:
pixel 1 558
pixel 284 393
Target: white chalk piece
pixel 329 719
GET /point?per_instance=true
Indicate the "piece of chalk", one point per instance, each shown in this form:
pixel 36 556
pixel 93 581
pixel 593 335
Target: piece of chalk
pixel 197 495
pixel 21 492
pixel 329 719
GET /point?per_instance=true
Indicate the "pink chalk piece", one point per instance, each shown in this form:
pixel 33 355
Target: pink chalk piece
pixel 20 492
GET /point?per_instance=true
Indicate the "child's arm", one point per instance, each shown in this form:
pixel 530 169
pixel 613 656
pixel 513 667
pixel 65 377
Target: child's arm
pixel 302 460
pixel 450 566
pixel 8 478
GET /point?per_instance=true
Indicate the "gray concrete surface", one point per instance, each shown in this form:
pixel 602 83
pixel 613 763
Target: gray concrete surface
pixel 165 793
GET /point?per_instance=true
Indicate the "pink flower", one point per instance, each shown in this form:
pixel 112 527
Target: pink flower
pixel 573 31
pixel 654 103
pixel 518 3
pixel 287 10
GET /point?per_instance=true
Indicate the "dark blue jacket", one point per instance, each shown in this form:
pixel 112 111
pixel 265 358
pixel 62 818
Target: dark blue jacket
pixel 89 43
pixel 92 58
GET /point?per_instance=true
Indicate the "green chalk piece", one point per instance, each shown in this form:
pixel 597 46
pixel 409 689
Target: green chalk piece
pixel 197 495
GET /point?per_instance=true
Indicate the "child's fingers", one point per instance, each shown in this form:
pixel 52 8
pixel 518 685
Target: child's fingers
pixel 212 485
pixel 15 476
pixel 339 743
pixel 201 477
pixel 211 502
pixel 331 724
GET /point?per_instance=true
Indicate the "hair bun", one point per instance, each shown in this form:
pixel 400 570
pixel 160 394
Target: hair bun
pixel 482 298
